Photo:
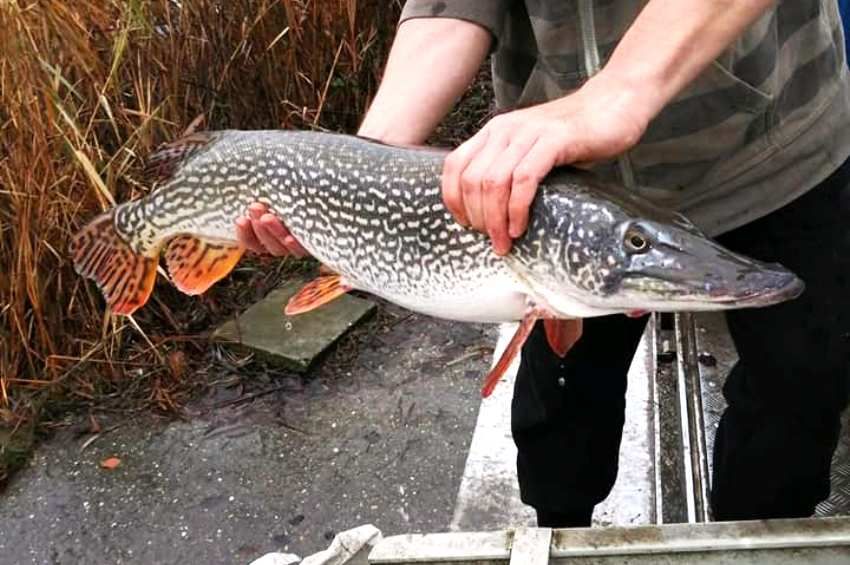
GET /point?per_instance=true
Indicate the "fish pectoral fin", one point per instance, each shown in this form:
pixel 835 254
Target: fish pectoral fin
pixel 318 292
pixel 510 352
pixel 125 278
pixel 195 263
pixel 562 335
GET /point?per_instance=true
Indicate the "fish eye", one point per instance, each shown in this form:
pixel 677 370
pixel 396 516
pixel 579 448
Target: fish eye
pixel 636 241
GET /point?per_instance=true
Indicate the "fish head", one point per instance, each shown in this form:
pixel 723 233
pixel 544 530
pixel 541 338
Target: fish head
pixel 673 267
pixel 595 256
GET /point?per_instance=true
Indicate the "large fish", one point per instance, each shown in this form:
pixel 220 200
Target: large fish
pixel 373 215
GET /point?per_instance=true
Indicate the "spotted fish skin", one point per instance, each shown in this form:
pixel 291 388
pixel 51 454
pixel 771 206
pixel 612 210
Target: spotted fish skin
pixel 374 214
pixel 371 212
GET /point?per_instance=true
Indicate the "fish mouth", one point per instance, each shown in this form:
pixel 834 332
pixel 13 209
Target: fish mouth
pixel 762 289
pixel 665 293
pixel 706 276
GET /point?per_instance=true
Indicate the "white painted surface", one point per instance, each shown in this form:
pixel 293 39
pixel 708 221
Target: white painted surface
pixel 531 546
pixel 488 496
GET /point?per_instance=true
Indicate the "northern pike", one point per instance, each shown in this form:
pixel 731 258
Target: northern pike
pixel 373 215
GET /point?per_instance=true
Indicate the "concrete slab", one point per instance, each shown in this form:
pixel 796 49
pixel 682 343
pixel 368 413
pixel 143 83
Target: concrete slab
pixel 293 341
pixel 488 497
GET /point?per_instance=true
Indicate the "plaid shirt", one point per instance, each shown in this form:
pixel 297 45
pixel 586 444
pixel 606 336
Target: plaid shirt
pixel 765 122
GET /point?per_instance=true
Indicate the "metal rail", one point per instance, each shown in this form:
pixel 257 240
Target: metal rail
pixel 695 458
pixel 812 541
pixel 682 480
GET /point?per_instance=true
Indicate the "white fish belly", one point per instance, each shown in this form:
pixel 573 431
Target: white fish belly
pixel 491 301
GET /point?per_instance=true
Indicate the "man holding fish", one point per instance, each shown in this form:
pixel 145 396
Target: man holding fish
pixel 736 113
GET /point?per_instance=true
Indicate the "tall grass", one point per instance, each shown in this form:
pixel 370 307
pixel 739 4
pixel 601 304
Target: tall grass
pixel 87 89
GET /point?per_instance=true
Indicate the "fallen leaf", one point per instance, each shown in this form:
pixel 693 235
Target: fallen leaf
pixel 177 363
pixel 110 463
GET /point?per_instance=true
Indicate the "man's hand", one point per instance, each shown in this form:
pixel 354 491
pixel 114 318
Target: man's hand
pixel 263 232
pixel 490 180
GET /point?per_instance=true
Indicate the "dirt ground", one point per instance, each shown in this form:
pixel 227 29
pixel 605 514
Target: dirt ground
pixel 278 462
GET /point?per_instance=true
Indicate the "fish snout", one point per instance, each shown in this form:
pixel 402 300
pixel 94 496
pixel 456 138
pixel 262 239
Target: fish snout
pixel 688 270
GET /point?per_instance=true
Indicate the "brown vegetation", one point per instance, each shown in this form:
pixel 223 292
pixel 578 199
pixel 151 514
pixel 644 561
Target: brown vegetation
pixel 87 89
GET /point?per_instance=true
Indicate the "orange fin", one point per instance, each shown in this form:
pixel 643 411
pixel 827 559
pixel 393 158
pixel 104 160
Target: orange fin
pixel 195 264
pixel 562 334
pixel 125 277
pixel 315 293
pixel 511 351
pixel 163 163
pixel 325 270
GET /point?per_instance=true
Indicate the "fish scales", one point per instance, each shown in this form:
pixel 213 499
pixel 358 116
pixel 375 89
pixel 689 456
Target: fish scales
pixel 372 212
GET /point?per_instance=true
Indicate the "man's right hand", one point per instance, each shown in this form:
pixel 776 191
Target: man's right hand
pixel 262 232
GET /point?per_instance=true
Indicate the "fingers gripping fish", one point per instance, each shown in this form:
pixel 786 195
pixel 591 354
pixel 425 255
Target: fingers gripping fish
pixel 373 215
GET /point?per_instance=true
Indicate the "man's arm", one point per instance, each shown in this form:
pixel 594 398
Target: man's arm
pixel 431 63
pixel 489 182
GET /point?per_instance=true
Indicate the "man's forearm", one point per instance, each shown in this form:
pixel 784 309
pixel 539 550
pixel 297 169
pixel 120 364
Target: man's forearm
pixel 669 44
pixel 431 63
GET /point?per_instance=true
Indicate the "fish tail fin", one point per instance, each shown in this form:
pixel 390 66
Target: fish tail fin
pixel 125 278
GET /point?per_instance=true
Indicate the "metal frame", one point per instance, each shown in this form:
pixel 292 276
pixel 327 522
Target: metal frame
pixel 816 541
pixel 682 480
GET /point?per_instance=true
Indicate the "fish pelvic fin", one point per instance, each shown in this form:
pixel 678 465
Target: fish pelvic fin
pixel 511 351
pixel 164 162
pixel 318 292
pixel 196 263
pixel 562 335
pixel 125 278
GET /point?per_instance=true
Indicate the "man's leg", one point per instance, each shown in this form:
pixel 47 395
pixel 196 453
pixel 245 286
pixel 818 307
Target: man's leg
pixel 776 439
pixel 567 419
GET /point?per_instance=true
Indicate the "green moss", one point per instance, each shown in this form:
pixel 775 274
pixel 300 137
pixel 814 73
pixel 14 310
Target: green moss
pixel 16 447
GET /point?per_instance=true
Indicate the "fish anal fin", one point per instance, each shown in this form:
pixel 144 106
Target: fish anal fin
pixel 318 292
pixel 562 334
pixel 195 264
pixel 325 270
pixel 125 278
pixel 511 351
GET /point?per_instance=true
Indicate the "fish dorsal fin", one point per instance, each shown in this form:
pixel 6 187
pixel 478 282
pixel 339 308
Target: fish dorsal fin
pixel 318 292
pixel 562 334
pixel 164 162
pixel 437 149
pixel 125 277
pixel 195 263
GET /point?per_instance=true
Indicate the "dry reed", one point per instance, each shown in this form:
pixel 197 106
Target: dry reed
pixel 87 89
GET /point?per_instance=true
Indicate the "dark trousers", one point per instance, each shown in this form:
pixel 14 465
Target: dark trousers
pixel 785 395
